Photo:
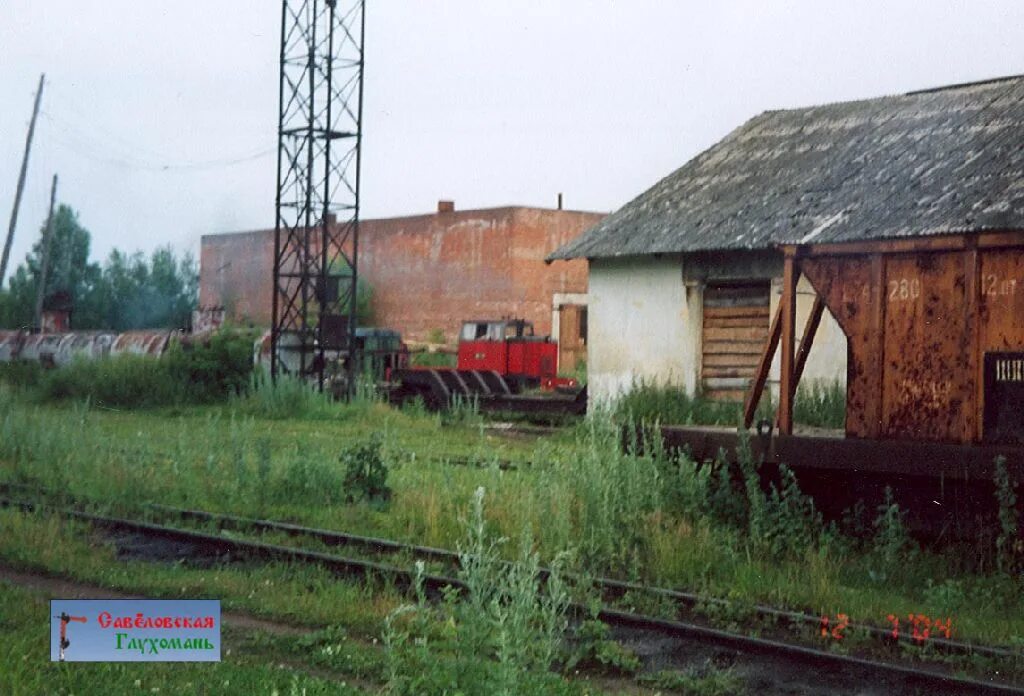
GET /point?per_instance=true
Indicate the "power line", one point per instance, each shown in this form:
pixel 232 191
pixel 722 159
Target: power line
pixel 92 148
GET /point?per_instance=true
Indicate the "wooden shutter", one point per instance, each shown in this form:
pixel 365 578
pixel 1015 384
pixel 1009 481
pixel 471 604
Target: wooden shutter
pixel 736 324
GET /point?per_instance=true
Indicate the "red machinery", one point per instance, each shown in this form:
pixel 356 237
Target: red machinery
pixel 509 347
pixel 497 359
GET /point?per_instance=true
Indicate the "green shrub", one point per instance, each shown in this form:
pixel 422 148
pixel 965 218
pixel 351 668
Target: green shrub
pixel 366 474
pixel 125 381
pixel 892 543
pixel 791 523
pixel 21 374
pixel 193 373
pixel 595 649
pixel 724 502
pixel 214 369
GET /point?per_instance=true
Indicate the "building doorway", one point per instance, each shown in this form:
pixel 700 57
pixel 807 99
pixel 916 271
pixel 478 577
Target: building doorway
pixel 572 337
pixel 736 325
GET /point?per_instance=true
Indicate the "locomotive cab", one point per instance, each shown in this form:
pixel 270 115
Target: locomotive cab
pixel 510 348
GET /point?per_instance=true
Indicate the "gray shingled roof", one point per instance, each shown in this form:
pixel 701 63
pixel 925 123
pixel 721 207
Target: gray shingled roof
pixel 937 161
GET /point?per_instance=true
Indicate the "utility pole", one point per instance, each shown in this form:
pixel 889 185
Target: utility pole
pixel 44 265
pixel 21 182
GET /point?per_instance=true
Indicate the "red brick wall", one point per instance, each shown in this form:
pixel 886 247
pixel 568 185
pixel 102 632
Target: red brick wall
pixel 236 272
pixel 426 272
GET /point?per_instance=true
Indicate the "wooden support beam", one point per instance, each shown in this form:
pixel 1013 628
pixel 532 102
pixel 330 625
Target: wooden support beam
pixel 974 417
pixel 955 242
pixel 996 240
pixel 790 273
pixel 761 376
pixel 875 362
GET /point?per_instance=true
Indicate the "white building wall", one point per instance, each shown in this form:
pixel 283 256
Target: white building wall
pixel 827 359
pixel 645 323
pixel 639 326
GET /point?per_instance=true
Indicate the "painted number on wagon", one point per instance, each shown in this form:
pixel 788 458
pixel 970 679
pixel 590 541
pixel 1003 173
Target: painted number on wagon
pixel 904 289
pixel 994 286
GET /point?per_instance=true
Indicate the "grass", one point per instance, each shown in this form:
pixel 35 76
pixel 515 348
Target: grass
pixel 367 633
pixel 128 381
pixel 26 651
pixel 286 397
pixel 25 668
pixel 820 404
pixel 647 517
pixel 649 402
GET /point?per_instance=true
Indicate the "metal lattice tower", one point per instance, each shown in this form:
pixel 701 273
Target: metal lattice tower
pixel 316 239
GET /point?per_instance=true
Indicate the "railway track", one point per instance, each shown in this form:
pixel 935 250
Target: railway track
pixel 233 548
pixel 610 588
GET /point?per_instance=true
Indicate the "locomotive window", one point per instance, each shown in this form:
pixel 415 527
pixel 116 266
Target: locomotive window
pixel 474 332
pixel 518 329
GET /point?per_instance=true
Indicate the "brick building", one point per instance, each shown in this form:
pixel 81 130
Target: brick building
pixel 427 273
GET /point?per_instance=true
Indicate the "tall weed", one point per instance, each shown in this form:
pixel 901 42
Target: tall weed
pixel 501 638
pixel 892 543
pixel 285 397
pixel 1009 542
pixel 821 404
pixel 603 497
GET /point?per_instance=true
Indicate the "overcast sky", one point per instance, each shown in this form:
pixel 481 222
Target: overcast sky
pixel 160 116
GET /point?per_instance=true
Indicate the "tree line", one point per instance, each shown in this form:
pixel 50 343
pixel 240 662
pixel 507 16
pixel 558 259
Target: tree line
pixel 127 291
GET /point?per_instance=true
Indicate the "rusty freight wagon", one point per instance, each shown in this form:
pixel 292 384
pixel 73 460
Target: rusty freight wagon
pixel 883 240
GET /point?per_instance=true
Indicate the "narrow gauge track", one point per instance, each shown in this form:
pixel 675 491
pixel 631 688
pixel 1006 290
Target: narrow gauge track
pixel 216 545
pixel 610 588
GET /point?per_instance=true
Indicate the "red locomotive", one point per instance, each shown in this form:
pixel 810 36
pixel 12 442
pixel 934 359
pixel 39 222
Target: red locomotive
pixel 497 360
pixel 510 348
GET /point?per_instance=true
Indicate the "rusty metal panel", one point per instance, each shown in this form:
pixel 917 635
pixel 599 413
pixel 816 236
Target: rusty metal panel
pixel 1002 300
pixel 10 345
pixel 41 348
pixel 140 343
pixel 924 377
pixel 927 386
pixel 88 346
pixel 844 282
pixel 1001 288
